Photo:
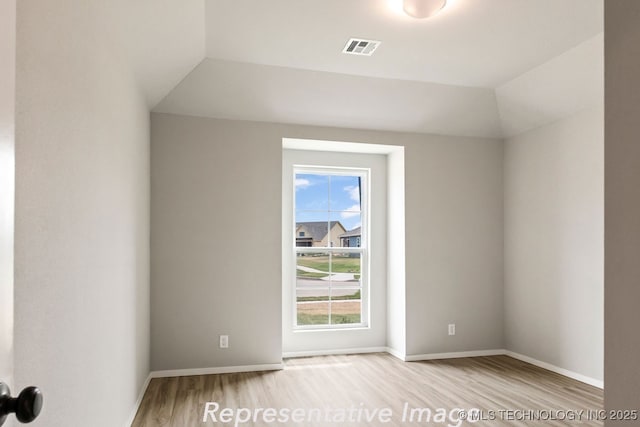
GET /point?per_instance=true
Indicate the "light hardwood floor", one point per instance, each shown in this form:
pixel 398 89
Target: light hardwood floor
pixel 366 382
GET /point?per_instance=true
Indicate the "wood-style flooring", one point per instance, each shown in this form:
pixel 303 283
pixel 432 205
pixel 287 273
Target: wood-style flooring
pixel 334 385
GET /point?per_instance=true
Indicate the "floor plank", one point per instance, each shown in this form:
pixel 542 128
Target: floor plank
pixel 495 385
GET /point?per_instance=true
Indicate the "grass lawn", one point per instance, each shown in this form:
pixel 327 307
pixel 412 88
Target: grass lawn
pixel 326 297
pixel 317 313
pixel 323 319
pixel 340 264
pixel 310 275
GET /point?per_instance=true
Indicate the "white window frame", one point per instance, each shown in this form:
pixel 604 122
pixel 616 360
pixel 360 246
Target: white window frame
pixel 363 250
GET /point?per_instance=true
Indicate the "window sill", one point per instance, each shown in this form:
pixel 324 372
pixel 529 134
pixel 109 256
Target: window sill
pixel 355 328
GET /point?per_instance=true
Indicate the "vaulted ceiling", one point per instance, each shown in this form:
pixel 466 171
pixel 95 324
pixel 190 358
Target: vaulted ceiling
pixel 489 68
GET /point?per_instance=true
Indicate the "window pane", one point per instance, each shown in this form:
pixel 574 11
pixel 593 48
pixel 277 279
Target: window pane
pixel 345 193
pixel 328 214
pixel 312 216
pixel 350 228
pixel 312 192
pixel 346 269
pixel 346 311
pixel 312 269
pixel 312 306
pixel 311 229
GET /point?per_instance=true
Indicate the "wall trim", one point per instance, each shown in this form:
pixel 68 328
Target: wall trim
pixel 361 350
pixel 548 366
pixel 498 352
pixel 397 354
pixel 136 406
pixel 454 355
pixel 218 370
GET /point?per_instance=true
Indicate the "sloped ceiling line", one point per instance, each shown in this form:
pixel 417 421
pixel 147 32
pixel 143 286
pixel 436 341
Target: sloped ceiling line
pixel 255 70
pixel 234 90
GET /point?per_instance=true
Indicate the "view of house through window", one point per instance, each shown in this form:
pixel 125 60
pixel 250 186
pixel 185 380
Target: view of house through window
pixel 330 247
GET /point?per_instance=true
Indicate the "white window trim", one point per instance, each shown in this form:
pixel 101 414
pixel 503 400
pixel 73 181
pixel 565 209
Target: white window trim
pixel 365 175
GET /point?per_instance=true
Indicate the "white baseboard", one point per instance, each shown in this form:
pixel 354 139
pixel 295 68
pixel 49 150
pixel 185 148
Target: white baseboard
pixel 567 373
pixel 454 355
pixel 362 350
pixel 397 354
pixel 143 390
pixel 218 370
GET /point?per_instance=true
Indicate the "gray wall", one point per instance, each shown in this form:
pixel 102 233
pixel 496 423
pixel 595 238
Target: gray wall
pixel 82 194
pixel 215 243
pixel 454 240
pixel 622 205
pixel 554 242
pixel 216 202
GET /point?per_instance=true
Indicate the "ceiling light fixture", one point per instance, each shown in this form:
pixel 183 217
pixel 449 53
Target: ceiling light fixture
pixel 422 8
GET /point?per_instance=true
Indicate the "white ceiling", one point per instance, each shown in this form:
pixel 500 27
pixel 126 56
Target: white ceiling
pixel 162 47
pixel 566 84
pixel 481 43
pixel 487 68
pixel 242 91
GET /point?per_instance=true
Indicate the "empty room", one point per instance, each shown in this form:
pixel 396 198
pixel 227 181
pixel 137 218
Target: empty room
pixel 319 212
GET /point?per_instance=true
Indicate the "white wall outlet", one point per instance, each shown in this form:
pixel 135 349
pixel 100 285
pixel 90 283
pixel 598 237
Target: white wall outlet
pixel 452 328
pixel 224 341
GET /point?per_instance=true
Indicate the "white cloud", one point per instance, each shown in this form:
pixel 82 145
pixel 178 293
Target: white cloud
pixel 354 192
pixel 351 212
pixel 302 183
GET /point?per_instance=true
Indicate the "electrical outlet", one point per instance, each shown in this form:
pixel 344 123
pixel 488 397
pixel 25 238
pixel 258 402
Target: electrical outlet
pixel 224 341
pixel 452 328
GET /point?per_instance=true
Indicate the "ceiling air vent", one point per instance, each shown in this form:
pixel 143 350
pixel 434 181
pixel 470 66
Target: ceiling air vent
pixel 361 47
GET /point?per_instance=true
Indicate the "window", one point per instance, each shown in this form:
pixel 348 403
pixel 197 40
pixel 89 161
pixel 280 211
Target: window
pixel 331 260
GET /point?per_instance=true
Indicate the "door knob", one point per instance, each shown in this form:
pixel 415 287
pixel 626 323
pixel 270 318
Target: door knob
pixel 26 406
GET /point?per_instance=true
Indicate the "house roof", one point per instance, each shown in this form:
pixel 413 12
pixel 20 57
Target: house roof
pixel 353 233
pixel 317 229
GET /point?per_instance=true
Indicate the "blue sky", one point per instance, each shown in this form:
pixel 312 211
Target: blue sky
pixel 328 197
